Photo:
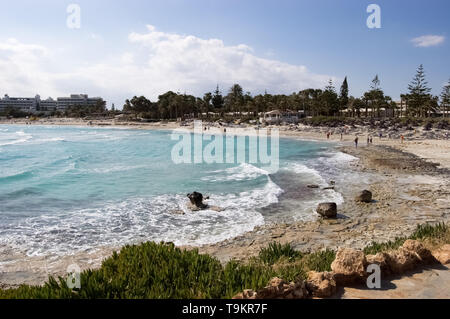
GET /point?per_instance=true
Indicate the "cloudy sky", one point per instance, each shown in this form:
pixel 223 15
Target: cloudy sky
pixel 137 47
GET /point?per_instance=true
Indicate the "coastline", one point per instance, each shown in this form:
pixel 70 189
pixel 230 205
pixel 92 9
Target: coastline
pixel 405 195
pixel 417 143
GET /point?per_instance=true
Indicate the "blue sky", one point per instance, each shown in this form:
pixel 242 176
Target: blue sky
pixel 123 48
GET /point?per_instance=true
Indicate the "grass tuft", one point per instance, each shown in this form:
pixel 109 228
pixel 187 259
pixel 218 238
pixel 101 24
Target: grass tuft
pixel 275 251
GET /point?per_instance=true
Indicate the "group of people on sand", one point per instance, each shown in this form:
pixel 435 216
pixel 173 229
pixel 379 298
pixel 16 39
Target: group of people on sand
pixel 370 139
pixel 330 133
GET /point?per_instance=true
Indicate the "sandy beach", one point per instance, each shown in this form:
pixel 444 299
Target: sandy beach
pixel 410 183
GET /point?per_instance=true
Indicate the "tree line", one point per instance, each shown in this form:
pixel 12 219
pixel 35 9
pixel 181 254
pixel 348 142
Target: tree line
pixel 418 102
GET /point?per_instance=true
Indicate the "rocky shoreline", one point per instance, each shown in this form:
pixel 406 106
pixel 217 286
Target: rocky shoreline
pixel 407 190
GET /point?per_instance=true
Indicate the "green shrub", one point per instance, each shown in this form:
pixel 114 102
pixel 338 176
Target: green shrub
pixel 320 261
pixel 275 251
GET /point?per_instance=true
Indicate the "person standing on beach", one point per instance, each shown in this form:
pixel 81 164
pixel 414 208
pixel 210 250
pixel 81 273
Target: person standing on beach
pixel 371 139
pixel 356 142
pixel 342 136
pixel 402 138
pixel 328 135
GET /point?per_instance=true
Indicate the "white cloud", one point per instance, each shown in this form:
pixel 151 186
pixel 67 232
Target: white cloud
pixel 428 40
pixel 157 62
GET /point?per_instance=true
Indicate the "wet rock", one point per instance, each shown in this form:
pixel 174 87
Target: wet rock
pixel 312 186
pixel 365 196
pixel 327 210
pixel 349 266
pixel 442 254
pixel 196 200
pixel 321 284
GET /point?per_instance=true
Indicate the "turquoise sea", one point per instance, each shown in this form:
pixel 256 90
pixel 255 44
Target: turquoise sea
pixel 70 189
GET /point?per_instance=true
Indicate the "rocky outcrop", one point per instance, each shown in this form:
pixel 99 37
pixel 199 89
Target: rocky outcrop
pixel 246 294
pixel 364 196
pixel 442 254
pixel 349 266
pixel 321 284
pixel 418 248
pixel 327 210
pixel 380 259
pixel 402 260
pixel 196 200
pixel 411 254
pixel 277 289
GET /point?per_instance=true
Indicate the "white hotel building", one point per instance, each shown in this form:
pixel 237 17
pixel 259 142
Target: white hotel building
pixel 36 105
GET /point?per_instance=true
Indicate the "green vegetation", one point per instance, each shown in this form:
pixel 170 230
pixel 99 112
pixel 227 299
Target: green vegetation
pixel 326 102
pixel 275 251
pixel 422 232
pixel 237 103
pixel 152 270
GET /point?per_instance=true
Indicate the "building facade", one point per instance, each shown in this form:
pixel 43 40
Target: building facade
pixel 278 117
pixel 36 105
pixel 65 103
pixel 24 104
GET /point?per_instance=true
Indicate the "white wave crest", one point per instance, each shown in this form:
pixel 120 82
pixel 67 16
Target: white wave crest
pixel 242 172
pixel 140 219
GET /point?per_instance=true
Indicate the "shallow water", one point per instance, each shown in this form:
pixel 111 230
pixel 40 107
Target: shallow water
pixel 71 189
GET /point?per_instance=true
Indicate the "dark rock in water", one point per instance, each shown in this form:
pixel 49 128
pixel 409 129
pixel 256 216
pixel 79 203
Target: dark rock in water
pixel 327 210
pixel 332 183
pixel 197 204
pixel 365 197
pixel 196 200
pixel 312 186
pixel 328 188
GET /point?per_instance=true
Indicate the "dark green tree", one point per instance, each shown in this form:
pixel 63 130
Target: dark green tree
pixel 234 99
pixel 217 100
pixel 207 103
pixel 343 97
pixel 445 99
pixel 419 94
pixel 330 100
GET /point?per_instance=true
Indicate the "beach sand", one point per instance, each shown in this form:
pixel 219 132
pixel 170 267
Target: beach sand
pixel 410 183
